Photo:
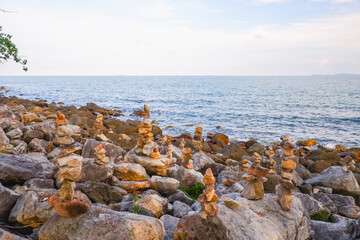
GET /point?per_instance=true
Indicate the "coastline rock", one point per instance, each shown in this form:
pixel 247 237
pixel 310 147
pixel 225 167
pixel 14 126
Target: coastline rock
pixel 130 172
pixel 261 219
pixel 201 162
pixel 164 185
pixel 155 204
pixel 95 172
pixel 180 196
pixel 15 134
pixel 32 207
pixel 338 179
pixel 132 186
pixel 342 230
pixel 19 168
pixel 170 223
pixel 112 151
pixel 187 177
pixel 109 225
pixel 100 192
pixel 8 199
pixel 180 209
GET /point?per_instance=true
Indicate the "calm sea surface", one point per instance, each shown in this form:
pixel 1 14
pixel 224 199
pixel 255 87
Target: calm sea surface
pixel 326 108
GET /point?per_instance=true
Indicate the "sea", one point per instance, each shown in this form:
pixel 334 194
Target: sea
pixel 324 108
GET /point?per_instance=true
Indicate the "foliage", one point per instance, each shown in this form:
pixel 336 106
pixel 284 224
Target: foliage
pixel 135 208
pixel 9 51
pixel 194 191
pixel 323 216
pixel 93 183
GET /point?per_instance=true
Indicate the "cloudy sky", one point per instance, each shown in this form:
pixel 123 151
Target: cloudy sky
pixel 184 37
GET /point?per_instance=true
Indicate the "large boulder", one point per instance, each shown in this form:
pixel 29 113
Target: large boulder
pixel 234 151
pixel 261 219
pixel 17 169
pixel 319 154
pixel 112 151
pixel 96 172
pixel 33 207
pixel 105 224
pixel 164 185
pixel 170 223
pixel 153 205
pixel 338 179
pixel 187 177
pixel 130 172
pixel 201 161
pixel 342 230
pixel 101 192
pixel 7 201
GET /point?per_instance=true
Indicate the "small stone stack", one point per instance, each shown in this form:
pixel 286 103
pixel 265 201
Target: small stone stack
pixel 186 157
pixel 62 133
pixel 155 154
pixel 100 157
pixel 169 153
pixel 182 143
pixel 145 142
pixel 99 129
pixel 283 189
pixel 349 164
pixel 208 198
pixel 244 165
pixel 67 202
pixel 198 139
pixel 255 177
pixel 268 161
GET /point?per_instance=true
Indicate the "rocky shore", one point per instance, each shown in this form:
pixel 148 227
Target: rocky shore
pixel 81 173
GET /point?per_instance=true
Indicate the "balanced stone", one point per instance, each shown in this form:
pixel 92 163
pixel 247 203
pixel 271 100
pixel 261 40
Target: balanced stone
pixel 208 198
pixel 100 157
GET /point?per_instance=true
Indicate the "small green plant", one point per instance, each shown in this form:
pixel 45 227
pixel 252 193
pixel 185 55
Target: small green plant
pixel 194 191
pixel 135 208
pixel 93 183
pixel 323 216
pixel 14 144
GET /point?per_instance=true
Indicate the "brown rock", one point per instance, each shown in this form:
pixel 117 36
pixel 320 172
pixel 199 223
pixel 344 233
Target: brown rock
pixel 289 164
pixel 222 137
pixel 80 204
pixel 306 143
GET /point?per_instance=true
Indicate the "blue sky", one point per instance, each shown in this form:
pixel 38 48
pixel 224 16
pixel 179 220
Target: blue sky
pixel 198 37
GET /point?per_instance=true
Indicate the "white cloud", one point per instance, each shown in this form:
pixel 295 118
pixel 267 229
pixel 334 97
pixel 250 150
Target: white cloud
pixel 343 1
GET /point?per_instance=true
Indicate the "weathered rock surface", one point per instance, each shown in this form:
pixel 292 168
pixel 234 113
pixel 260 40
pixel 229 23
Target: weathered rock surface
pixel 19 168
pixel 155 204
pixel 261 219
pixel 33 207
pixel 7 201
pixel 311 204
pixel 180 196
pixel 112 151
pixel 170 223
pixel 180 209
pixel 187 177
pixel 105 224
pixel 5 235
pixel 95 172
pixel 201 161
pixel 130 172
pixel 343 230
pixel 132 186
pixel 100 192
pixel 338 179
pixel 164 185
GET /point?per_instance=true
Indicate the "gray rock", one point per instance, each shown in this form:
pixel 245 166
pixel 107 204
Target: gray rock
pixel 4 140
pixel 180 196
pixel 350 211
pixel 112 151
pixel 14 134
pixel 8 199
pixel 187 177
pixel 261 219
pixel 311 204
pixel 256 147
pixel 33 207
pixel 340 200
pixel 95 172
pixel 6 112
pixel 316 155
pixel 105 224
pixel 170 223
pixel 234 151
pixel 100 192
pixel 31 134
pixel 38 183
pixel 155 204
pixel 20 147
pixel 201 161
pixel 322 197
pixel 338 179
pixel 322 189
pixel 343 230
pixel 4 234
pixel 38 145
pixel 164 185
pixel 5 123
pixel 47 128
pixel 302 171
pixel 297 180
pixel 180 209
pixel 17 169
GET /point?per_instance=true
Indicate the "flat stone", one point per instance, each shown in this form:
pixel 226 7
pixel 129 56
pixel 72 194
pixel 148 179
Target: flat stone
pixel 164 185
pixel 155 204
pixel 130 172
pixel 95 172
pixel 132 186
pixel 188 177
pixel 100 192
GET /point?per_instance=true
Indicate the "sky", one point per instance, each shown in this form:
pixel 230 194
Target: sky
pixel 183 37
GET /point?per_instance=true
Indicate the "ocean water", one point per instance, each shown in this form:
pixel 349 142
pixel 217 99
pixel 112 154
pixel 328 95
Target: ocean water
pixel 325 108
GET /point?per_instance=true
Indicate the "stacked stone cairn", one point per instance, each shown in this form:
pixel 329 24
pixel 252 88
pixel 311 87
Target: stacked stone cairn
pixel 208 198
pixel 244 165
pixel 100 157
pixel 145 142
pixel 349 164
pixel 255 177
pixel 62 133
pixel 186 157
pixel 198 139
pixel 99 128
pixel 268 161
pixel 182 143
pixel 283 189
